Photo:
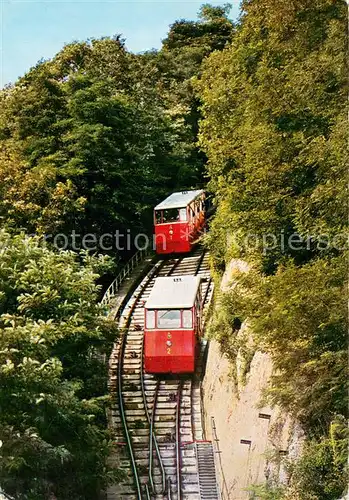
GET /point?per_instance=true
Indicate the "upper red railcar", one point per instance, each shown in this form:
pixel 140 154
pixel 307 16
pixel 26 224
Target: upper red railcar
pixel 178 221
pixel 172 325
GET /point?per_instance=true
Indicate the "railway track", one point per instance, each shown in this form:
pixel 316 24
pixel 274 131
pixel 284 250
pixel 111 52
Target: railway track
pixel 156 420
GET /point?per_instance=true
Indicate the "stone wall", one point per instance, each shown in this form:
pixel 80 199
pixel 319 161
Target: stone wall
pixel 252 440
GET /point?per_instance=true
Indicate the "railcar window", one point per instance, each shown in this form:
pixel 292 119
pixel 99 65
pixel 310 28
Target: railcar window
pixel 169 318
pixel 187 318
pixel 150 319
pixel 158 216
pixel 171 215
pixel 183 214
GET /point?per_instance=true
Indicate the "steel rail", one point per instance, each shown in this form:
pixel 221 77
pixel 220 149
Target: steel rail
pixel 153 439
pixel 175 265
pixel 147 492
pixel 178 444
pixel 207 291
pixel 169 496
pixel 192 416
pixel 200 261
pixel 153 444
pixel 179 394
pixel 123 418
pixel 152 434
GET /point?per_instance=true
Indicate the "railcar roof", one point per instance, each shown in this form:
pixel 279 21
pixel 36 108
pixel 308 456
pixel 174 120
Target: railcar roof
pixel 178 200
pixel 174 292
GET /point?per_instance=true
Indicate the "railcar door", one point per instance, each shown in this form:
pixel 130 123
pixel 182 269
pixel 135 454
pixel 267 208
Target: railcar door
pixel 192 221
pixel 198 315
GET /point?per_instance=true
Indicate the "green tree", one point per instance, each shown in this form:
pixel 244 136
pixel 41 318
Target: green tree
pixel 209 12
pixel 322 472
pixel 274 104
pixel 35 198
pixel 98 135
pixel 168 75
pixel 84 130
pixel 53 390
pixel 273 127
pixel 211 32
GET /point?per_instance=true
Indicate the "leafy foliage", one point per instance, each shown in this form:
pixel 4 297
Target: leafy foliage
pixel 96 136
pixel 273 128
pixel 274 106
pixel 53 380
pixel 320 473
pixel 81 135
pixel 304 328
pixel 212 31
pixel 93 138
pixel 89 141
pixel 35 198
pixel 171 72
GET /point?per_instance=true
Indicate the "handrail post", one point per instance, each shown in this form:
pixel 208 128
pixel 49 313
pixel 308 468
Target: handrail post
pixel 215 440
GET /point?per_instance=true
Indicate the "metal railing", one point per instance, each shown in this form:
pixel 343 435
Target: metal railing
pixel 222 492
pixel 114 287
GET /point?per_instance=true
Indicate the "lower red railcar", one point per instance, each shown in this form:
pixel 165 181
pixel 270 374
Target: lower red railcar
pixel 172 325
pixel 178 221
pixel 170 352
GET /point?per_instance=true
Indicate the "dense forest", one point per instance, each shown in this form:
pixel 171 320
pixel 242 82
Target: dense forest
pixel 256 111
pixel 275 134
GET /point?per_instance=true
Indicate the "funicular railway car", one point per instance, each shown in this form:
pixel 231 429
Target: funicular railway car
pixel 178 221
pixel 173 314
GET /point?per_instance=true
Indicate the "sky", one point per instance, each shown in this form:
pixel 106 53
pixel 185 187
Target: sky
pixel 36 29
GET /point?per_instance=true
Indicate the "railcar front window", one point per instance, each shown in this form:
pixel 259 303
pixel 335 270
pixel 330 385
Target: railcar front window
pixel 187 319
pixel 158 216
pixel 150 319
pixel 169 318
pixel 171 215
pixel 183 214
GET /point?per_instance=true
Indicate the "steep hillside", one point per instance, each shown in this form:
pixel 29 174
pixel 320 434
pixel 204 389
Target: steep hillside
pixel 275 134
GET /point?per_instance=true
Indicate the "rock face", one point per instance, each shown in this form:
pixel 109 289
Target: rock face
pixel 247 435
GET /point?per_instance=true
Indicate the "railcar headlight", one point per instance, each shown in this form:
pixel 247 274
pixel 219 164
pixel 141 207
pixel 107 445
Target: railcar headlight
pixel 169 343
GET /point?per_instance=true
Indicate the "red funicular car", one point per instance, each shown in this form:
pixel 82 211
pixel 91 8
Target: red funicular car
pixel 172 325
pixel 178 221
